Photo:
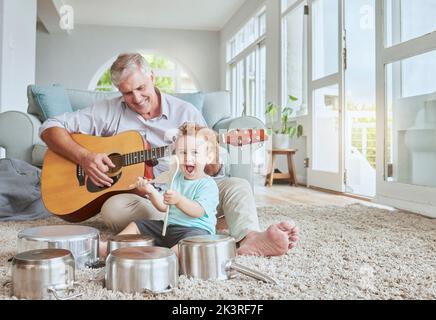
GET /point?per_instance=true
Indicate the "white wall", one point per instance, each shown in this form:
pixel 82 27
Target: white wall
pixel 72 60
pixel 17 52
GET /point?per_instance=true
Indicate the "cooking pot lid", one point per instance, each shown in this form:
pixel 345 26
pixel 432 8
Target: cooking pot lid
pixel 215 238
pixel 130 238
pixel 42 254
pixel 59 233
pixel 142 253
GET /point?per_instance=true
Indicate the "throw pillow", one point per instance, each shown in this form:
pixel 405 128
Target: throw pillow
pixel 51 101
pixel 196 99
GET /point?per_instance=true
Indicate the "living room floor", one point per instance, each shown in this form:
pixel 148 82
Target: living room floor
pixel 281 193
pixel 346 250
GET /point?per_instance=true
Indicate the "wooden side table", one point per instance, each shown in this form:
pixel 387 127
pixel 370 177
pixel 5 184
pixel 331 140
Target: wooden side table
pixel 292 173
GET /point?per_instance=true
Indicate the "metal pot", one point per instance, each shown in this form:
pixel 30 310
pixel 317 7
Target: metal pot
pixel 141 269
pixel 128 240
pixel 211 257
pixel 82 241
pixel 43 274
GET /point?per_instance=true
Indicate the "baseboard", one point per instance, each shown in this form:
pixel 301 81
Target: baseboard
pixel 413 207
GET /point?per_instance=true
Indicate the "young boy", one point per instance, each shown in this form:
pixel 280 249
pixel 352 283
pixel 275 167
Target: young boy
pixel 194 197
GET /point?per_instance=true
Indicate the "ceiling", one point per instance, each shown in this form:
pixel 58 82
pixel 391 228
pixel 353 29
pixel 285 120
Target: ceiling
pixel 175 14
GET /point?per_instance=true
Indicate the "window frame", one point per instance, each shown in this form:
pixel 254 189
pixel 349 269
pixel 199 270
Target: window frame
pixel 284 91
pixel 234 42
pixel 401 195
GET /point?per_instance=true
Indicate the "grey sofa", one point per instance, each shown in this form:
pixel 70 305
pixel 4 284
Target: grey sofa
pixel 19 130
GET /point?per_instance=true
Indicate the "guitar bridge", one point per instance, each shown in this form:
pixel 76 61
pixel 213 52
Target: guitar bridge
pixel 80 175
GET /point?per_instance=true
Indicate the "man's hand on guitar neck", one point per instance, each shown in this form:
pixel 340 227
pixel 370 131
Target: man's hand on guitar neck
pixel 95 166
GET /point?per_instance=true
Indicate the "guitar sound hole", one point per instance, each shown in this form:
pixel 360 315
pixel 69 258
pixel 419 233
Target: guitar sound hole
pixel 91 187
pixel 117 160
pixel 113 173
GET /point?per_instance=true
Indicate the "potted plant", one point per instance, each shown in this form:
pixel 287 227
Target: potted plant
pixel 281 135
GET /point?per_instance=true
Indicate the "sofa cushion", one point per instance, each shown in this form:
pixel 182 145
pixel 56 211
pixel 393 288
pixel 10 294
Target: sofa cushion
pixel 47 101
pixel 216 107
pixel 196 99
pixel 80 99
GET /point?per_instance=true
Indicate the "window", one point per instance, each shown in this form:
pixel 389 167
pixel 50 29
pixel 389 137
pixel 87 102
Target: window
pixel 325 38
pixel 409 19
pixel 251 33
pixel 287 3
pixel 246 65
pixel 246 78
pixel 410 93
pixel 170 76
pixel 411 120
pixel 294 63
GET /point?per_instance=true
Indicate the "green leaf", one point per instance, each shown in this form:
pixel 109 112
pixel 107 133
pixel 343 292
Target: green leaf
pixel 288 110
pixel 299 130
pixel 292 98
pixel 271 109
pixel 292 131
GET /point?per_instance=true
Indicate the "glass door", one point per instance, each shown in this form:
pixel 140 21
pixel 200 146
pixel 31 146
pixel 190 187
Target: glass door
pixel 326 94
pixel 360 106
pixel 406 105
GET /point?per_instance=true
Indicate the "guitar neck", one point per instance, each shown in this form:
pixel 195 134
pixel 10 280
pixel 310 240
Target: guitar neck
pixel 235 137
pixel 145 155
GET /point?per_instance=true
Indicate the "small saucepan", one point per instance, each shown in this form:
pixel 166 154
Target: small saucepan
pixel 211 257
pixel 43 274
pixel 141 270
pixel 128 240
pixel 82 241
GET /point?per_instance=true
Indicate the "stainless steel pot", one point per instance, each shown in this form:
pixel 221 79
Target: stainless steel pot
pixel 211 257
pixel 128 240
pixel 43 274
pixel 82 241
pixel 141 269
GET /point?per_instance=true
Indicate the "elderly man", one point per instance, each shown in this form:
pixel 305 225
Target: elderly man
pixel 142 107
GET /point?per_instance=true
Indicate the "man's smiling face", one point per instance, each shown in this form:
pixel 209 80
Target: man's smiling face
pixel 140 95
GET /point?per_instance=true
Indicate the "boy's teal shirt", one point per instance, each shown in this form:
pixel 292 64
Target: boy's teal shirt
pixel 205 192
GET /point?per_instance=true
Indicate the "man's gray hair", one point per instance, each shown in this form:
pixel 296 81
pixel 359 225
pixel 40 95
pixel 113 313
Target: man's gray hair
pixel 126 64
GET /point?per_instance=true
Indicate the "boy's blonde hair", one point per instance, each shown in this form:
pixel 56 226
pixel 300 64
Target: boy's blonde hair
pixel 195 130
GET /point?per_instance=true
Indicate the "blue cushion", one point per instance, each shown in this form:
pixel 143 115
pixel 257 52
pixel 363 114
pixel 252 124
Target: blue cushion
pixel 196 99
pixel 52 101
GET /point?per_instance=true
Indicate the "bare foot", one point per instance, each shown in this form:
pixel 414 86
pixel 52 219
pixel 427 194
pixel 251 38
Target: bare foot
pixel 275 241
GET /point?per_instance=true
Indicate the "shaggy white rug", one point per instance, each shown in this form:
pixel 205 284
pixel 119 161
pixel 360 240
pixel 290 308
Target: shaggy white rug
pixel 352 252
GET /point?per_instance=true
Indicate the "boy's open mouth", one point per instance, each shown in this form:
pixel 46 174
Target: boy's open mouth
pixel 189 169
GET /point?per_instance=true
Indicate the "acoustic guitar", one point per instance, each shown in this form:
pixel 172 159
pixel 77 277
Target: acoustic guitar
pixel 67 191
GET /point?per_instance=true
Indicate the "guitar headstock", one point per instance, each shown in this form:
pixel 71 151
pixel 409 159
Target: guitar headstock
pixel 242 137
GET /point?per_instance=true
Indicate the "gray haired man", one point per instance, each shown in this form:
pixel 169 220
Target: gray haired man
pixel 142 107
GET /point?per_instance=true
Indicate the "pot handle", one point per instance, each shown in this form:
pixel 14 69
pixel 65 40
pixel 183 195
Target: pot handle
pixel 55 294
pixel 166 290
pixel 231 265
